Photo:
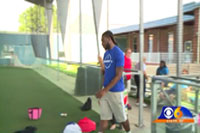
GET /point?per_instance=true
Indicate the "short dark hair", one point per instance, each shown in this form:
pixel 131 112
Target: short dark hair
pixel 108 33
pixel 162 61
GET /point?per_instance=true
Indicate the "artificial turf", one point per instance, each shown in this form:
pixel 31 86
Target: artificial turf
pixel 22 88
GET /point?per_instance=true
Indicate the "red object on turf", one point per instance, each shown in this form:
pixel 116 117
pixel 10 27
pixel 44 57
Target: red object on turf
pixel 87 125
pixel 34 113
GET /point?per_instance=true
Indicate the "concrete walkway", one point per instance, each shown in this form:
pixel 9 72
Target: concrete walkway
pixel 133 118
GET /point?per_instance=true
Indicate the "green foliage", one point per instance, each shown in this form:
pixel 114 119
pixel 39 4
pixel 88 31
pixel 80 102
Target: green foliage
pixel 70 70
pixel 34 20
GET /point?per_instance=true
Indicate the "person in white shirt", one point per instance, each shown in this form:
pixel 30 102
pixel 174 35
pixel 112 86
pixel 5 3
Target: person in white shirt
pixel 137 80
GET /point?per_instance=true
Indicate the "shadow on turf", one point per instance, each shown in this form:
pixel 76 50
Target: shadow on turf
pixel 28 129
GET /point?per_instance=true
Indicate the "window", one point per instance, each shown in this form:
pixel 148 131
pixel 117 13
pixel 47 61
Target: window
pixel 188 46
pixel 150 43
pixel 170 47
pixel 122 42
pixel 170 42
pixel 187 56
pixel 135 44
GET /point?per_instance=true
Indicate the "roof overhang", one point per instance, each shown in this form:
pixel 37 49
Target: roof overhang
pixel 190 7
pixel 152 25
pixel 40 2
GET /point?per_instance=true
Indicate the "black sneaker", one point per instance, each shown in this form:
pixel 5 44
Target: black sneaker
pixel 129 107
pixel 87 105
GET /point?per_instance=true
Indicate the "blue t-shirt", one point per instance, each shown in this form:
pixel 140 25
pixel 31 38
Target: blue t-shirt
pixel 113 58
pixel 162 71
pixel 181 86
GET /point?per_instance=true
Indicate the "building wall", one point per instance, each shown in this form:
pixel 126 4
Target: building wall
pixel 122 42
pixel 132 36
pixel 160 41
pixel 195 31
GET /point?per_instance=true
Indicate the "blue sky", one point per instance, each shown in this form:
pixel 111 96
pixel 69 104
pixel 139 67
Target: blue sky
pixel 10 10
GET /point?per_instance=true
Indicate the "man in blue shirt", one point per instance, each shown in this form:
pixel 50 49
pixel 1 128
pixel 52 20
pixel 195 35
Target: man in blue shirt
pixel 111 96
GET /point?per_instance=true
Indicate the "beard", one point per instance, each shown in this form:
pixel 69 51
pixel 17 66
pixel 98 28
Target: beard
pixel 107 47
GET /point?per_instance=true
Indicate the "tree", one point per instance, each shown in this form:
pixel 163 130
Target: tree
pixel 33 19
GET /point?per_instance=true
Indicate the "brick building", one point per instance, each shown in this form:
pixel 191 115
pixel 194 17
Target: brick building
pixel 160 37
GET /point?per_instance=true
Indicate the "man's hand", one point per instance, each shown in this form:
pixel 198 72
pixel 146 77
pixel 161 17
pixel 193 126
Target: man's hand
pixel 100 59
pixel 100 93
pixel 101 64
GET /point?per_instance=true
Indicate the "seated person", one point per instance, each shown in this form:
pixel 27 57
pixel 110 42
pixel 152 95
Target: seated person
pixel 163 70
pixel 172 93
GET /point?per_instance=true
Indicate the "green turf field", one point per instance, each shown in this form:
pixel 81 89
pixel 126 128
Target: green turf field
pixel 23 88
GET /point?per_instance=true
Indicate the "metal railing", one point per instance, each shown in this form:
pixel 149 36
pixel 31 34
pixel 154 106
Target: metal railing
pixel 167 57
pixel 140 73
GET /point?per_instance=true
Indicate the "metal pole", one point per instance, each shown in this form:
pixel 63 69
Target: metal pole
pixel 45 13
pixel 153 106
pixel 80 31
pixel 197 101
pixel 198 39
pixel 179 48
pixel 179 38
pixel 46 23
pixel 141 93
pixel 58 60
pixel 96 28
pixel 196 108
pixel 107 14
pixel 26 29
pixel 37 23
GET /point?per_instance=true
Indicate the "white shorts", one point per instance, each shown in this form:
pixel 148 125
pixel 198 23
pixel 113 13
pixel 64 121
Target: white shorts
pixel 112 104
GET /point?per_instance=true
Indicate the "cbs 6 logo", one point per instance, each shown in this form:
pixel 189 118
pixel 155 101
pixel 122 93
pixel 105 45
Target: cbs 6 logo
pixel 169 112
